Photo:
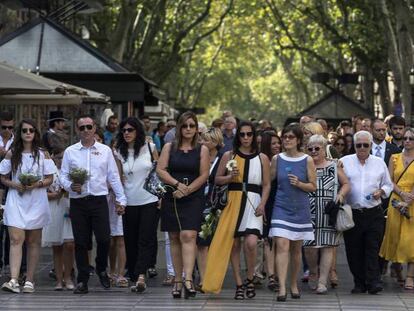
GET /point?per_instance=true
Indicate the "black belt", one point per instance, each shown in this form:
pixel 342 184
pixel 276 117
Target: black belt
pixel 89 197
pixel 245 187
pixel 367 209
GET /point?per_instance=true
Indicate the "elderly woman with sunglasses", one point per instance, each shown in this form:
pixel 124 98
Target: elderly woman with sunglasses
pixel 248 183
pixel 27 208
pixel 319 251
pixel 397 245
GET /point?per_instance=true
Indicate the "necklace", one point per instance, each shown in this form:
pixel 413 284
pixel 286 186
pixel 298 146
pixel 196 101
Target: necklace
pixel 129 167
pixel 407 160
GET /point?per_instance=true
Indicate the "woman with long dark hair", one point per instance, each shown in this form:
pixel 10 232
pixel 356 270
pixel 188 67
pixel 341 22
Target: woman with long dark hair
pixel 27 208
pixel 246 172
pixel 134 155
pixel 271 145
pixel 184 166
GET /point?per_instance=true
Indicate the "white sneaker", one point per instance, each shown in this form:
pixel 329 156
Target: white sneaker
pixel 11 286
pixel 28 287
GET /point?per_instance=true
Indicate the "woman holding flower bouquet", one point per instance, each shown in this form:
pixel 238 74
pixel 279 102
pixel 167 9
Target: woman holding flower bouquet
pixel 213 140
pixel 140 220
pixel 184 166
pixel 397 245
pixel 27 207
pixel 246 172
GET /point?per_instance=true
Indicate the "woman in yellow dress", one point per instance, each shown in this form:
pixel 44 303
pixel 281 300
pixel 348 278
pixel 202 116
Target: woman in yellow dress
pixel 397 245
pixel 248 190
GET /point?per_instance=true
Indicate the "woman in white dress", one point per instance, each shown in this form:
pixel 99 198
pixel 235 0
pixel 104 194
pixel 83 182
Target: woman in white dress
pixel 58 233
pixel 27 208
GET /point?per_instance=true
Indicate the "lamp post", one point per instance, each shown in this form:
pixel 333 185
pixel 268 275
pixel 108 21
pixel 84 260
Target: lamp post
pixel 410 118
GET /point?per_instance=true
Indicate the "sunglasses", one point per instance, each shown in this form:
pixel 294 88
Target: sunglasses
pixel 246 134
pixel 310 149
pixel 290 137
pixel 409 138
pixel 365 145
pixel 84 127
pixel 188 126
pixel 26 130
pixel 127 130
pixel 4 127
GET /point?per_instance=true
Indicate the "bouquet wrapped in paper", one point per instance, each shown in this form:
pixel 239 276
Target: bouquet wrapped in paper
pixel 28 179
pixel 78 175
pixel 210 224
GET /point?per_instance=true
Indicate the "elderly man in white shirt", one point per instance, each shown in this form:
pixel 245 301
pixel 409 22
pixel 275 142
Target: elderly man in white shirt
pixel 370 181
pixel 88 203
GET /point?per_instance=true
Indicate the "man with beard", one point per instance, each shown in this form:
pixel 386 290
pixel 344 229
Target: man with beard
pixel 397 125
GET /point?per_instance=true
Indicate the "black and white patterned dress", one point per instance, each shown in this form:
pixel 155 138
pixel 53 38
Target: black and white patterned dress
pixel 325 235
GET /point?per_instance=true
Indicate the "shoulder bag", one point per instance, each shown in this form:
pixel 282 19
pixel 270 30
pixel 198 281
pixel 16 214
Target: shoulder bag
pixel 153 183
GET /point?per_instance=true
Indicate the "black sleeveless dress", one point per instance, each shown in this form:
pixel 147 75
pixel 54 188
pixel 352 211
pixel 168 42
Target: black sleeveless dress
pixel 183 166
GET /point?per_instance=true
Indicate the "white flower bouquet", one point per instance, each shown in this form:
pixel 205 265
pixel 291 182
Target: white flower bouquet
pixel 28 179
pixel 78 175
pixel 231 165
pixel 210 224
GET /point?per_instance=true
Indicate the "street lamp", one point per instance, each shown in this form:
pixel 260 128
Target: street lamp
pixel 410 118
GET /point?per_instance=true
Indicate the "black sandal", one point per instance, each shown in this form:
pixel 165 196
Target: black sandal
pixel 239 292
pixel 189 291
pixel 176 293
pixel 250 289
pixel 272 284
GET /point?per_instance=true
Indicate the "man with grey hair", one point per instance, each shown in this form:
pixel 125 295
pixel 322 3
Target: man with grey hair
pixel 229 132
pixel 370 181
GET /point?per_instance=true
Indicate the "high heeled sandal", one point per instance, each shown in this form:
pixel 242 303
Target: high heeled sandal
pixel 176 293
pixel 141 286
pixel 189 291
pixel 250 289
pixel 239 295
pixel 272 284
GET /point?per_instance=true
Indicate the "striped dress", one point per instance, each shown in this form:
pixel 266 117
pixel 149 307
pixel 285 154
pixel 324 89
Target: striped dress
pixel 291 217
pixel 325 235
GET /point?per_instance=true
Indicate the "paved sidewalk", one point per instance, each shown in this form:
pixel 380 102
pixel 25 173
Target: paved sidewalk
pixel 158 297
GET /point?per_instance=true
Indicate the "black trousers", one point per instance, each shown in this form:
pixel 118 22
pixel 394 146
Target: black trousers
pixel 140 226
pixel 90 214
pixel 362 244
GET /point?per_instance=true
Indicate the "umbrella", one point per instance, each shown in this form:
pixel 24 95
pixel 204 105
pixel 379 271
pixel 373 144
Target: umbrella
pixel 22 87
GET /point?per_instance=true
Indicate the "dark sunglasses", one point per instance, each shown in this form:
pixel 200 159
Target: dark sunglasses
pixel 25 130
pixel 4 127
pixel 290 137
pixel 188 126
pixel 365 145
pixel 84 127
pixel 246 134
pixel 127 130
pixel 409 138
pixel 310 149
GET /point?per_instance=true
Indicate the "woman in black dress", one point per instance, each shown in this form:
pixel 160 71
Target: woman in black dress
pixel 183 165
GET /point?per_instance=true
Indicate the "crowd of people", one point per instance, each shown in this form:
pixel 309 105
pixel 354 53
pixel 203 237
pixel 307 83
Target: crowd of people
pixel 277 187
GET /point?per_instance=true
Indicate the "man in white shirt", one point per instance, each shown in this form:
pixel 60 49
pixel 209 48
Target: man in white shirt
pixel 88 203
pixel 380 147
pixel 6 132
pixel 370 181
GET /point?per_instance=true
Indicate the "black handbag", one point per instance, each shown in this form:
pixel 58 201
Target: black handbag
pixel 219 197
pixel 153 183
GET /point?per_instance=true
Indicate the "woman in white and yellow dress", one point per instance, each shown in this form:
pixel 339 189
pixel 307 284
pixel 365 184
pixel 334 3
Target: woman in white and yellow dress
pixel 248 190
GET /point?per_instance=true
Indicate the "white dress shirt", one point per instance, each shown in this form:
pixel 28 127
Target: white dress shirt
pixel 382 146
pixel 100 164
pixel 8 144
pixel 365 179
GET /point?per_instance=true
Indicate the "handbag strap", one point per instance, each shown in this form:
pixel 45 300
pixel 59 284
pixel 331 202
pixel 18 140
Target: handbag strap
pixel 150 151
pixel 402 174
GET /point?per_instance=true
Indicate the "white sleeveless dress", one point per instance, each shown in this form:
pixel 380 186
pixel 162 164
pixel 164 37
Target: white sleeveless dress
pixel 30 210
